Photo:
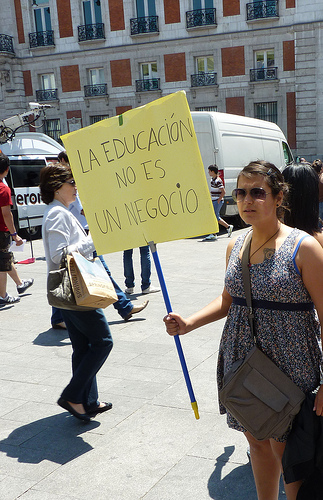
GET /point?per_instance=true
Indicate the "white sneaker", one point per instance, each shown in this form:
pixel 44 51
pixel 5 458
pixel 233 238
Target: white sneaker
pixel 230 229
pixel 130 290
pixel 8 300
pixel 151 289
pixel 211 237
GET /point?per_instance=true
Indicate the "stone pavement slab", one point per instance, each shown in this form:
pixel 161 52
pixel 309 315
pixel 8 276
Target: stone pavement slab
pixel 149 446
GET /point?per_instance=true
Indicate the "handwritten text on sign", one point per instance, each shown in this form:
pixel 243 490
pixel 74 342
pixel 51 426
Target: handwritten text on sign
pixel 140 176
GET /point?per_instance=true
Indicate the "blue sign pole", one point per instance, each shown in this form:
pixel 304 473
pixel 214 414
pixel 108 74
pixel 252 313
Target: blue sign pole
pixel 176 337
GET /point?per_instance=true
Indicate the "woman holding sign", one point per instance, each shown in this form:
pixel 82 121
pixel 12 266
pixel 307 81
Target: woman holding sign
pixel 88 330
pixel 286 273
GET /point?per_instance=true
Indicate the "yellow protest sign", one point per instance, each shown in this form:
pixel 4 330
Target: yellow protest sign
pixel 140 176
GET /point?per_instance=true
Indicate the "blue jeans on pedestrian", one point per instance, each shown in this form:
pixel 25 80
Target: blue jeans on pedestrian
pixel 217 207
pixel 123 305
pixel 145 267
pixel 92 342
pixel 56 316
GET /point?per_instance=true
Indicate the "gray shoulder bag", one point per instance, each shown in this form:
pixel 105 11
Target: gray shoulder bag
pixel 255 391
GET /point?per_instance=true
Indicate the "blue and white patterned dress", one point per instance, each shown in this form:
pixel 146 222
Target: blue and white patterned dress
pixel 288 337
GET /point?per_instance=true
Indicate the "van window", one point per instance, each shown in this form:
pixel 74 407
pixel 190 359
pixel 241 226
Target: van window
pixel 287 154
pixel 25 173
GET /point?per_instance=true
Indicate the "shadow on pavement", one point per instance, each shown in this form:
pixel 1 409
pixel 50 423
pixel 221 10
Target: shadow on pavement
pixel 237 484
pixel 52 337
pixel 56 439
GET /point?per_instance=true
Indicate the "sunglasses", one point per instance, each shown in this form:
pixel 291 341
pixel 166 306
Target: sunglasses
pixel 257 194
pixel 72 182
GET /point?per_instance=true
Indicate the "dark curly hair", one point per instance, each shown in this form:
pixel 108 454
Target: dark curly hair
pixel 272 176
pixel 52 177
pixel 303 198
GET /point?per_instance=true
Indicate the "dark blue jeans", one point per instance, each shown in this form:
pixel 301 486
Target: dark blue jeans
pixel 145 267
pixel 123 305
pixel 92 342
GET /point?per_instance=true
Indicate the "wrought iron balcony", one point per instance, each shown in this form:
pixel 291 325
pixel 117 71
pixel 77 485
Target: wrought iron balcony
pixel 91 32
pixel 263 74
pixel 46 95
pixel 261 10
pixel 200 17
pixel 41 39
pixel 6 44
pixel 95 90
pixel 203 79
pixel 147 84
pixel 140 25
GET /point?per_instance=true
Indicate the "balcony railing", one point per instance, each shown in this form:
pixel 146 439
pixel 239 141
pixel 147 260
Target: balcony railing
pixel 262 74
pixel 261 10
pixel 91 32
pixel 203 79
pixel 95 90
pixel 140 25
pixel 41 39
pixel 200 17
pixel 46 95
pixel 6 44
pixel 147 84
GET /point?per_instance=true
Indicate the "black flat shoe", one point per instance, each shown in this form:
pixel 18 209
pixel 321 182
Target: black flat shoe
pixel 99 409
pixel 65 404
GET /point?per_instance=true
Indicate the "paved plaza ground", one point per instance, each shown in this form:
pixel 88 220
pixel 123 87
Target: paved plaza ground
pixel 149 446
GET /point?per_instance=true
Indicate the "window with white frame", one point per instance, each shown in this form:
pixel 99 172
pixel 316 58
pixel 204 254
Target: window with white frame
pixel 148 70
pixel 92 11
pixel 202 4
pixel 264 58
pixel 145 8
pixel 42 16
pixel 204 64
pixel 47 81
pixel 96 76
pixel 266 111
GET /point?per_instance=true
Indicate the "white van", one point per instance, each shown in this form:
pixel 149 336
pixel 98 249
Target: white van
pixel 232 141
pixel 28 153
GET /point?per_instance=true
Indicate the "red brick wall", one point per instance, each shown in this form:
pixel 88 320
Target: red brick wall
pixel 27 83
pixel 291 119
pixel 77 113
pixel 121 73
pixel 233 63
pixel 122 109
pixel 19 21
pixel 289 55
pixel 231 7
pixel 70 78
pixel 290 4
pixel 235 105
pixel 116 15
pixel 175 67
pixel 172 11
pixel 64 18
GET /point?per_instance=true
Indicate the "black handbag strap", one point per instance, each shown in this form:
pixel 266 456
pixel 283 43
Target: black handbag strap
pixel 246 282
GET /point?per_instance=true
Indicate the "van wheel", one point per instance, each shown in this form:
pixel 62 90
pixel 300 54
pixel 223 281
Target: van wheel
pixel 34 233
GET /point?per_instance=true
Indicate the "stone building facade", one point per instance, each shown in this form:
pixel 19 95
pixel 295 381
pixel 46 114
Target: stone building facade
pixel 91 59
